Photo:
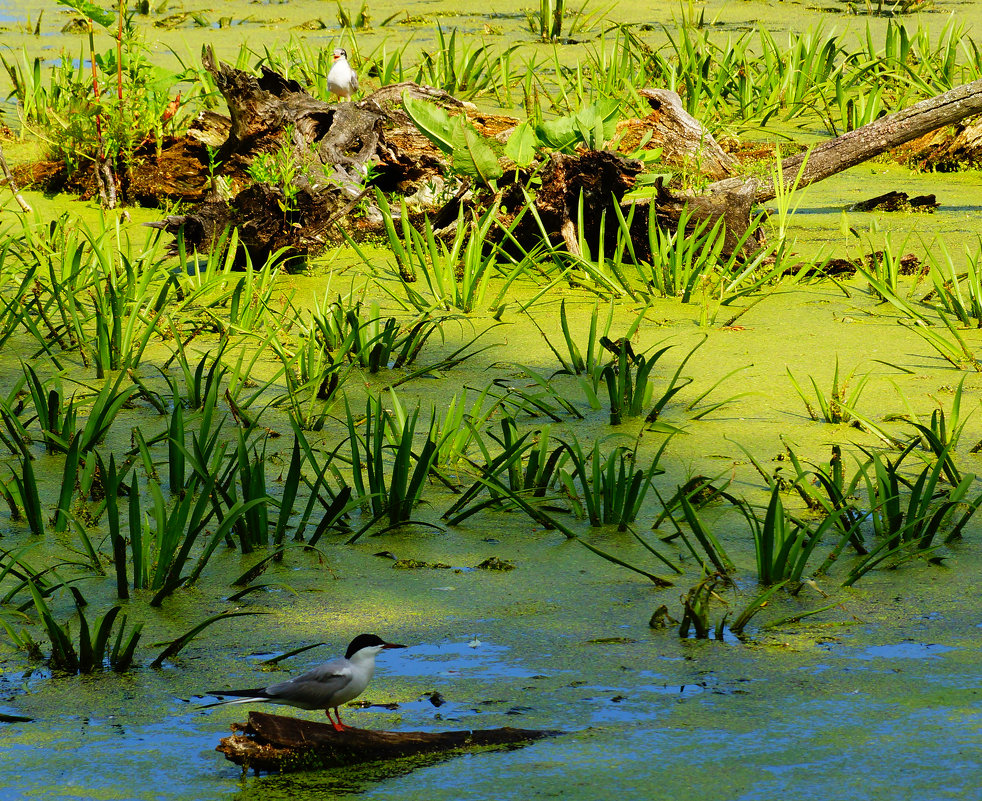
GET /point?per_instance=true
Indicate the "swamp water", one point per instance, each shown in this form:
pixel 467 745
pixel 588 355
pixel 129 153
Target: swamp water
pixel 878 697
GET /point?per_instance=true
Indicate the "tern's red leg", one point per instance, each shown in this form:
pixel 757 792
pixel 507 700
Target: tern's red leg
pixel 338 726
pixel 337 711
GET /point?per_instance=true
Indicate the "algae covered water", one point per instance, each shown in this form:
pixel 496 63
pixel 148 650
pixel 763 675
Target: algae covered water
pixel 857 681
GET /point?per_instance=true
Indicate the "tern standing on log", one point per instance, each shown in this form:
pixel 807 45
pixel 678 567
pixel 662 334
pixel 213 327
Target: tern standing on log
pixel 325 686
pixel 341 80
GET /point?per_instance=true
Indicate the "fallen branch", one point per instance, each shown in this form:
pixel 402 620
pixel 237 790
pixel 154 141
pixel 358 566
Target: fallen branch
pixel 733 198
pixel 275 743
pixel 864 143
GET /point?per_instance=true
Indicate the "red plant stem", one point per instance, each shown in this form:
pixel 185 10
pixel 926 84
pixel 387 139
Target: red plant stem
pixel 119 50
pixel 95 90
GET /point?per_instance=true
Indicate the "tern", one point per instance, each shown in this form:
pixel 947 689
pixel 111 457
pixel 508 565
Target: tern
pixel 342 80
pixel 324 687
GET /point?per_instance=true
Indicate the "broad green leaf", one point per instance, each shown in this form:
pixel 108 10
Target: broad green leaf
pixel 607 111
pixel 558 134
pixel 522 144
pixel 473 156
pixel 565 133
pixel 91 11
pixel 431 120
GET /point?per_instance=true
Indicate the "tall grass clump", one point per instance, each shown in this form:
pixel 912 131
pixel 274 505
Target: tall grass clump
pixel 395 469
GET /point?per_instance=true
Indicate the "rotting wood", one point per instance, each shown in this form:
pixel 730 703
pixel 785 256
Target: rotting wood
pixel 683 142
pixel 596 178
pixel 333 143
pixel 279 744
pixel 331 146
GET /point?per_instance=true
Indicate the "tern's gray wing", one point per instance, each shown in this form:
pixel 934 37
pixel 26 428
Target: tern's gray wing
pixel 314 689
pixel 354 82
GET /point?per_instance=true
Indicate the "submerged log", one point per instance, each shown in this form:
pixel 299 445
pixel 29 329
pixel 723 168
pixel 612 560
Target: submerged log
pixel 897 201
pixel 275 743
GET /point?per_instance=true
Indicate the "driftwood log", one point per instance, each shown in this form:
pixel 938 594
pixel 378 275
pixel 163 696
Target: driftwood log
pixel 334 144
pixel 683 142
pixel 278 744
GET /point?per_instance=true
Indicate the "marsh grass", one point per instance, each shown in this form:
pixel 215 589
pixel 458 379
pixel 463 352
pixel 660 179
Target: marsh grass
pixel 689 263
pixel 585 364
pixel 609 488
pixel 838 405
pixel 86 294
pixel 940 434
pixel 629 389
pixel 95 646
pixel 535 395
pixel 315 375
pixel 783 546
pixel 375 341
pixel 713 550
pixel 930 500
pixel 30 498
pixel 787 197
pixel 523 464
pixel 390 492
pixel 827 492
pixel 456 276
pixel 58 420
pixel 456 430
pixel 696 606
pixel 965 305
pixel 178 644
pixel 952 347
pixel 97 300
pixel 333 503
pixel 463 69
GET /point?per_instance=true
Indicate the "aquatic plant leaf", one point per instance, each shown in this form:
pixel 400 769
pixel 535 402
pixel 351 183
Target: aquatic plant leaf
pixel 754 607
pixel 473 156
pixel 91 11
pixel 586 126
pixel 521 145
pixel 558 134
pixel 431 120
pixel 658 581
pixel 176 645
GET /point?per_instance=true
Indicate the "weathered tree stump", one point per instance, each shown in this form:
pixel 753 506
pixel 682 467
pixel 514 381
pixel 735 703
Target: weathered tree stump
pixel 279 744
pixel 683 142
pixel 329 148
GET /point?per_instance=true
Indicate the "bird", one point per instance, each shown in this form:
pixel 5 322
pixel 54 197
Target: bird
pixel 324 687
pixel 342 80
